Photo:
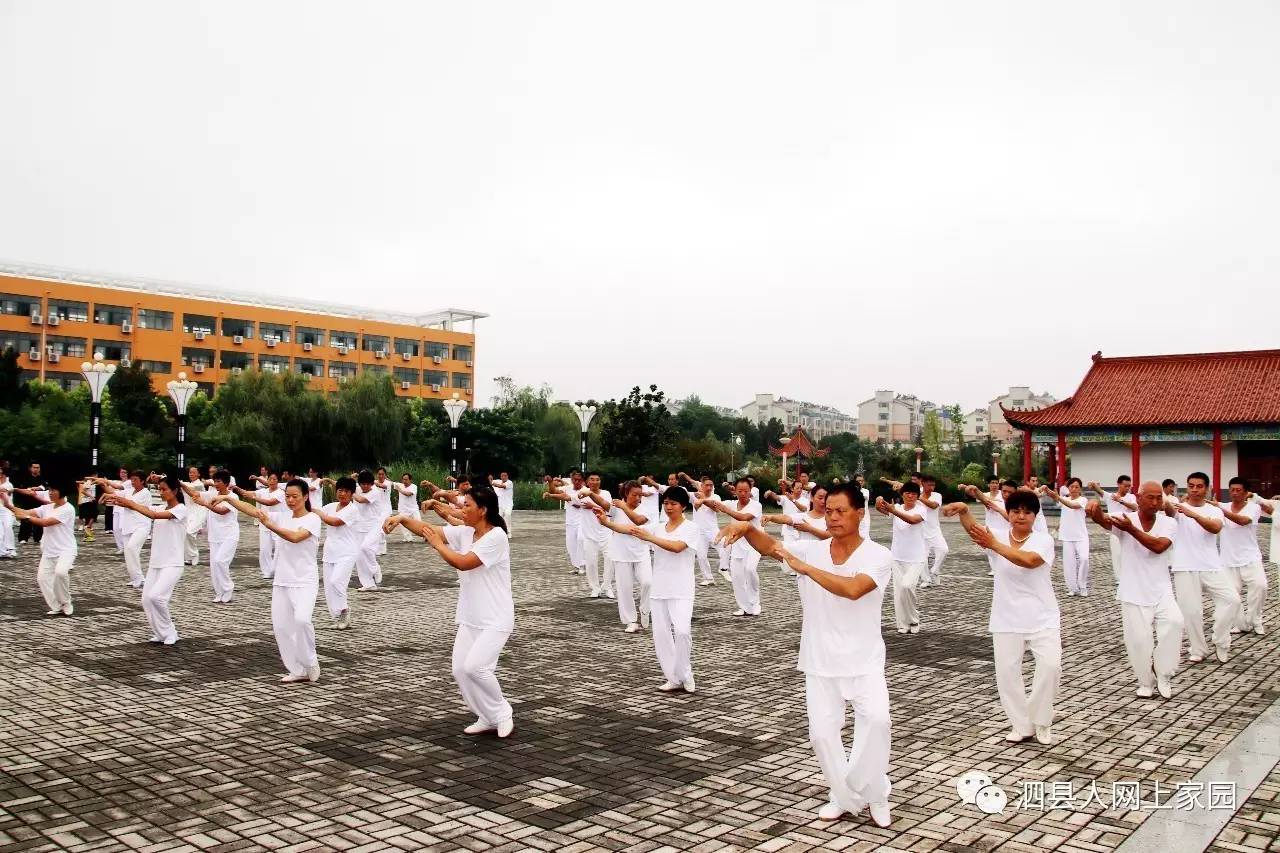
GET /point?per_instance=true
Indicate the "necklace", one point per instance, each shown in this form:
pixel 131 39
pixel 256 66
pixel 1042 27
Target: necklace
pixel 1019 541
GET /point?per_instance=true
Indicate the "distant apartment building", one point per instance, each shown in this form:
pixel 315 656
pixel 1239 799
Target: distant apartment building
pixel 819 421
pixel 891 417
pixel 989 420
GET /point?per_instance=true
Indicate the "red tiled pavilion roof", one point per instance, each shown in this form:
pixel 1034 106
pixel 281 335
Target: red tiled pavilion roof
pixel 799 445
pixel 1167 390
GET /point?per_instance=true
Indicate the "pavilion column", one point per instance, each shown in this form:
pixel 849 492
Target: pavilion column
pixel 1217 463
pixel 1061 475
pixel 1135 448
pixel 1026 455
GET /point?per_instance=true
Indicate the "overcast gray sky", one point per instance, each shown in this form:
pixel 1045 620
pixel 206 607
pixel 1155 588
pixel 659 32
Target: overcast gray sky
pixel 815 199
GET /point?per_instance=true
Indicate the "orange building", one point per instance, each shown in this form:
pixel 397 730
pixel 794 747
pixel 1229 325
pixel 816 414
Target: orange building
pixel 56 320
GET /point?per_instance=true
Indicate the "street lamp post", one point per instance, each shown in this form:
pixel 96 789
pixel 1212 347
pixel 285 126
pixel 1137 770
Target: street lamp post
pixel 585 413
pixel 454 407
pixel 919 453
pixel 995 463
pixel 97 375
pixel 181 390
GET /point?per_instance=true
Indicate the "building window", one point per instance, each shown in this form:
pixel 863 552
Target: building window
pixel 230 358
pixel 232 328
pixel 376 369
pixel 882 428
pixel 156 366
pixel 884 416
pixel 979 431
pixel 375 343
pixel 69 347
pixel 65 381
pixel 341 370
pixel 194 356
pixel 309 366
pixel 112 350
pixel 342 339
pixel 20 342
pixel 65 309
pixel 23 306
pixel 462 380
pixel 435 349
pixel 112 315
pixel 315 337
pixel 1018 403
pixel 435 377
pixel 461 353
pixel 192 323
pixel 406 345
pixel 406 374
pixel 149 318
pixel 275 332
pixel 273 364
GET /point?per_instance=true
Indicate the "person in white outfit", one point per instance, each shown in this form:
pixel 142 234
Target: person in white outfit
pixel 567 493
pixel 341 545
pixel 117 531
pixel 134 527
pixel 315 490
pixel 295 584
pixel 1116 504
pixel 842 655
pixel 168 544
pixel 1146 592
pixel 57 521
pixel 1024 614
pixel 481 553
pixel 1197 569
pixel 675 540
pixel 807 525
pixel 369 529
pixel 935 543
pixel 1074 536
pixel 743 559
pixel 595 537
pixel 196 515
pixel 629 555
pixel 269 496
pixel 223 531
pixel 505 489
pixel 706 520
pixel 910 555
pixel 1241 556
pixel 407 503
pixel 8 545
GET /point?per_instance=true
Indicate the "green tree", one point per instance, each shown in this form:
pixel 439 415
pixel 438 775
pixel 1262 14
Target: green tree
pixel 133 401
pixel 931 437
pixel 636 432
pixel 559 431
pixel 500 440
pixel 370 419
pixel 12 392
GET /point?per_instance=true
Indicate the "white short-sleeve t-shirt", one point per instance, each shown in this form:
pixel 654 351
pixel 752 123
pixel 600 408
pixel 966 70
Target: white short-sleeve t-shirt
pixel 58 540
pixel 623 546
pixel 1197 549
pixel 484 593
pixel 742 548
pixel 820 522
pixel 273 510
pixel 506 492
pixel 296 561
pixel 673 573
pixel 1144 574
pixel 222 526
pixel 408 504
pixel 1239 542
pixel 591 527
pixel 341 541
pixel 1115 507
pixel 650 501
pixel 1023 601
pixel 1071 526
pixel 169 539
pixel 705 517
pixel 864 526
pixel 907 545
pixel 315 490
pixel 995 522
pixel 840 637
pixel 932 525
pixel 790 509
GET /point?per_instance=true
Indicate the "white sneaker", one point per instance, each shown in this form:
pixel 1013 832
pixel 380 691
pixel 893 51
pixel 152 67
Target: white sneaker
pixel 915 629
pixel 632 628
pixel 1044 735
pixel 344 620
pixel 506 727
pixel 1165 686
pixel 313 672
pixel 1194 659
pixel 1223 654
pixel 903 630
pixel 923 585
pixel 644 619
pixel 1259 632
pixel 739 613
pixel 830 811
pixel 1145 692
pixel 669 686
pixel 594 594
pixel 608 593
pixel 1015 737
pixel 880 814
pixel 727 575
pixel 53 612
pixel 290 678
pixel 479 727
pixel 689 686
pixel 67 609
pixel 707 582
pixel 1236 631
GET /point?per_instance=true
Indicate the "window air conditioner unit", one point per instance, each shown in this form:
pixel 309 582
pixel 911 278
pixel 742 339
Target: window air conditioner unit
pixel 33 355
pixel 436 359
pixel 470 363
pixel 126 327
pixel 198 367
pixel 54 319
pixel 236 371
pixel 36 319
pixel 404 356
pixel 435 389
pixel 307 347
pixel 404 386
pixel 200 333
pixel 342 350
pixel 238 339
pixel 124 362
pixel 271 342
pixel 306 377
pixel 380 354
pixel 54 357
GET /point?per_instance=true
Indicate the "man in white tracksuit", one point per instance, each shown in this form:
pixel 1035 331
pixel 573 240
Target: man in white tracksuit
pixel 223 529
pixel 595 537
pixel 369 528
pixel 1197 569
pixel 505 489
pixel 630 556
pixel 743 559
pixel 909 556
pixel 567 493
pixel 341 545
pixel 934 541
pixel 1241 556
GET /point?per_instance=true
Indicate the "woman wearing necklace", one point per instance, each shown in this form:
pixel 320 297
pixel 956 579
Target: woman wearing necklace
pixel 1024 613
pixel 479 550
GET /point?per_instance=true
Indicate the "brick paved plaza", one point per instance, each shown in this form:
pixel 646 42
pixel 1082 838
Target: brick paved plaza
pixel 108 743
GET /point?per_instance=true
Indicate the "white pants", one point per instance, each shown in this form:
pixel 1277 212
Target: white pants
pixel 133 553
pixel 938 550
pixel 221 553
pixel 905 578
pixel 117 531
pixel 593 551
pixel 700 552
pixel 54 578
pixel 627 575
pixel 367 568
pixel 337 579
pixel 195 520
pixel 7 546
pixel 475 664
pixel 673 637
pixel 573 545
pixel 1162 655
pixel 266 552
pixel 1189 588
pixel 1075 565
pixel 382 538
pixel 156 592
pixel 1113 542
pixel 409 512
pixel 506 517
pixel 861 778
pixel 1250 582
pixel 745 577
pixel 291 608
pixel 1026 712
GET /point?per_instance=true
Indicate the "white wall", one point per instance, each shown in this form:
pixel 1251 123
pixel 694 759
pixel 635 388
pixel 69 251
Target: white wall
pixel 1160 459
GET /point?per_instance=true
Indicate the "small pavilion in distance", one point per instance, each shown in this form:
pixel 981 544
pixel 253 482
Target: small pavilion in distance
pixel 797 446
pixel 1162 416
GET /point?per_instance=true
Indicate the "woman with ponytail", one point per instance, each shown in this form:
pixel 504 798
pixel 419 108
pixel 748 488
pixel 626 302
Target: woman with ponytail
pixel 480 552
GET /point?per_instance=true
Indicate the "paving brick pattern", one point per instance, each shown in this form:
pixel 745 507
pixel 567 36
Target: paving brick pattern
pixel 1256 826
pixel 108 743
